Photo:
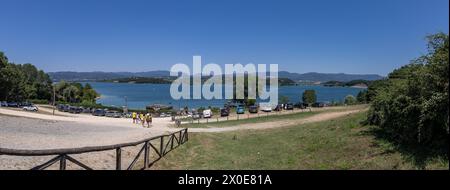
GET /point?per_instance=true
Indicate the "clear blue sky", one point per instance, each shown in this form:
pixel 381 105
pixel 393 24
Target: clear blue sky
pixel 351 36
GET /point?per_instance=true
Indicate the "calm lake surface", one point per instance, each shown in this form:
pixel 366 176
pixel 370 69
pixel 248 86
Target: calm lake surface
pixel 138 96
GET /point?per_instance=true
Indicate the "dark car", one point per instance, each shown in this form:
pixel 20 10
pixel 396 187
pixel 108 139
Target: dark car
pixel 300 106
pixel 289 106
pixel 278 108
pixel 99 112
pixel 24 104
pixel 74 109
pixel 253 109
pixel 195 115
pixel 13 104
pixel 61 107
pixel 66 108
pixel 3 104
pixel 224 112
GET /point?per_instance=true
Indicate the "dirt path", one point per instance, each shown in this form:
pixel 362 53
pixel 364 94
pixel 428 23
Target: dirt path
pixel 276 124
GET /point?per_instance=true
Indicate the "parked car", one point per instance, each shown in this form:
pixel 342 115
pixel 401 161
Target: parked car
pixel 13 104
pixel 278 108
pixel 253 109
pixel 114 114
pixel 195 115
pixel 289 106
pixel 74 109
pixel 318 105
pixel 240 109
pixel 207 113
pixel 3 104
pixel 30 108
pixel 300 106
pixel 224 112
pixel 99 112
pixel 60 107
pixel 86 110
pixel 24 104
pixel 266 108
pixel 66 108
pixel 127 115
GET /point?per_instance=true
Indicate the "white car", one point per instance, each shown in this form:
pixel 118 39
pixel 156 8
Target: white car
pixel 30 108
pixel 266 108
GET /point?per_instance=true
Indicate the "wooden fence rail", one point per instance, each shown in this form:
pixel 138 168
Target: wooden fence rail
pixel 64 155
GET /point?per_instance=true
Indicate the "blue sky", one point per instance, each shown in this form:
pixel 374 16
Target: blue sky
pixel 351 36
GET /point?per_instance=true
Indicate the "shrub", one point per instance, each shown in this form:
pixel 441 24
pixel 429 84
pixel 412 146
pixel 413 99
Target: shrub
pixel 350 100
pixel 411 107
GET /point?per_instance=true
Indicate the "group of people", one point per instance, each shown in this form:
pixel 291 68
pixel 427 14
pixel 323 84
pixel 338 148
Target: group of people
pixel 141 118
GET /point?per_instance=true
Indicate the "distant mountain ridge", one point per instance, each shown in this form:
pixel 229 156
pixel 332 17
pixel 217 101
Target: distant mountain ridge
pixel 99 75
pixel 311 76
pixel 324 77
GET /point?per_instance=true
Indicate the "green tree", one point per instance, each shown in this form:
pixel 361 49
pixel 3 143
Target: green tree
pixel 362 96
pixel 412 107
pixel 13 87
pixel 3 82
pixel 71 94
pixel 350 100
pixel 284 99
pixel 251 102
pixel 3 60
pixel 309 97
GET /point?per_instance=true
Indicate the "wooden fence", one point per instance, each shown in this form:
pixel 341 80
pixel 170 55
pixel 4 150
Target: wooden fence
pixel 161 145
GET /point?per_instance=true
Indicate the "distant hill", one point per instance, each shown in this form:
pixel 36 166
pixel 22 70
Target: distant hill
pixel 312 76
pixel 354 83
pixel 99 76
pixel 324 77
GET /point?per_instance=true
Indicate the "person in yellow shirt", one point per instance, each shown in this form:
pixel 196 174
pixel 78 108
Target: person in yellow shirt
pixel 134 116
pixel 141 117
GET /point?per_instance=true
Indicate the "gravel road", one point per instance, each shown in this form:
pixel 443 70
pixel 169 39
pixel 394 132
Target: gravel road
pixel 29 133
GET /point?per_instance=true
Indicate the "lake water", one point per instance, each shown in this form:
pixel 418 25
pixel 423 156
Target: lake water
pixel 138 96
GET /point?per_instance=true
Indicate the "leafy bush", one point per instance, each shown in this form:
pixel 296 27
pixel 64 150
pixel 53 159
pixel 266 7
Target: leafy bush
pixel 350 100
pixel 36 101
pixel 411 106
pixel 75 92
pixel 362 97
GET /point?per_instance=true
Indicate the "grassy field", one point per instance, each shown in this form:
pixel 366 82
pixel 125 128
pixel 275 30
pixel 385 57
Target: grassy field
pixel 271 117
pixel 336 144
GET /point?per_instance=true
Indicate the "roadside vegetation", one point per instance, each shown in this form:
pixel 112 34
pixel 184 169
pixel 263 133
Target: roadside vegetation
pixel 24 82
pixel 21 82
pixel 411 106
